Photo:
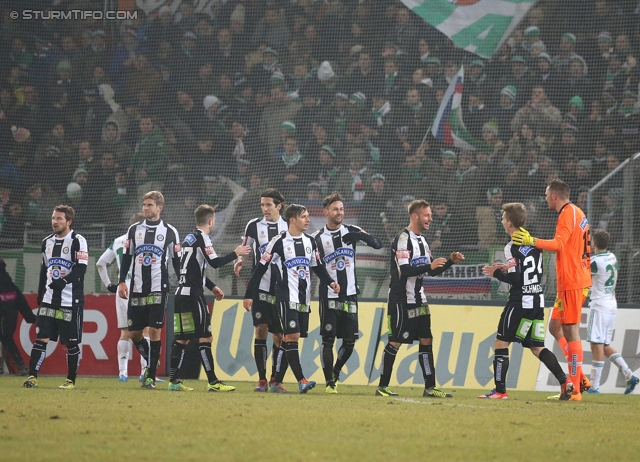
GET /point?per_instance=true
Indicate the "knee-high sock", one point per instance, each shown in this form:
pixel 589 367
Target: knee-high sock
pixel 621 364
pixel 575 363
pixel 596 373
pixel 177 356
pixel 143 348
pixel 293 358
pixel 388 358
pixel 326 358
pixel 154 356
pixel 344 353
pixel 207 361
pixel 38 354
pixel 425 358
pixel 73 361
pixel 550 360
pixel 500 369
pixel 123 357
pixel 275 356
pixel 260 355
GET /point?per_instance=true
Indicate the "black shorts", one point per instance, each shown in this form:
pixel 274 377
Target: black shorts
pixel 264 312
pixel 191 318
pixel 339 318
pixel 146 311
pixel 293 321
pixel 61 321
pixel 522 325
pixel 407 323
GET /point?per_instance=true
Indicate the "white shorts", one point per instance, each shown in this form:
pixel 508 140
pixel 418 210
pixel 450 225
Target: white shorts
pixel 600 327
pixel 121 312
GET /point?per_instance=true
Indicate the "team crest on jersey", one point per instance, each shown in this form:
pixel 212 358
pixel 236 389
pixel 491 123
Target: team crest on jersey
pixel 584 223
pixel 261 233
pixel 405 335
pixel 190 239
pixel 525 249
pixel 292 324
pixel 160 237
pixel 258 315
pixel 139 235
pixel 288 250
pixel 307 249
pixel 65 250
pixel 328 327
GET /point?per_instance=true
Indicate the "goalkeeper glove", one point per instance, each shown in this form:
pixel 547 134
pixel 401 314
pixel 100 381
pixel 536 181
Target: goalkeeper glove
pixel 522 237
pixel 58 284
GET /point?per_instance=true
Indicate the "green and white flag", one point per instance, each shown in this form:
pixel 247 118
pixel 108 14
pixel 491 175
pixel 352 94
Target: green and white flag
pixel 478 26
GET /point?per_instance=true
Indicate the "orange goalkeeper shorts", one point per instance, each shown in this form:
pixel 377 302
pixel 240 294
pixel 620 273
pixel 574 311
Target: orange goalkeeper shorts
pixel 568 305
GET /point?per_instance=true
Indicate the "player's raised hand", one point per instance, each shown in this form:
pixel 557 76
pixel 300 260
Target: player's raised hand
pixel 335 286
pixel 438 263
pixel 242 250
pixel 246 303
pixel 501 266
pixel 489 270
pixel 217 291
pixel 522 237
pixel 456 257
pixel 237 267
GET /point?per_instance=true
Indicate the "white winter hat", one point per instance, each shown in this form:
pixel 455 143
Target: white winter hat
pixel 74 190
pixel 325 72
pixel 209 101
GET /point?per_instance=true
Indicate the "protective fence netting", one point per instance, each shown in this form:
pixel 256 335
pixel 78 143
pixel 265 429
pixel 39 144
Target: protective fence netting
pixel 212 102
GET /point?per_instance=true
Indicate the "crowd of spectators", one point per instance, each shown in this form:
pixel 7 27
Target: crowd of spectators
pixel 311 97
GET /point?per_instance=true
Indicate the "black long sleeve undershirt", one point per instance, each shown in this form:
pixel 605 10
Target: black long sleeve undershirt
pixel 411 271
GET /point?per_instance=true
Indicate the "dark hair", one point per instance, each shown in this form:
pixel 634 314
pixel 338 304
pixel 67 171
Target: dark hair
pixel 274 194
pixel 601 239
pixel 203 214
pixel 560 188
pixel 516 213
pixel 416 205
pixel 293 211
pixel 69 212
pixel 330 199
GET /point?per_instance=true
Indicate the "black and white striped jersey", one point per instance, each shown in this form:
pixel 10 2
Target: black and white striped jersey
pixel 197 251
pixel 340 258
pixel 524 273
pixel 150 245
pixel 292 259
pixel 59 258
pixel 412 249
pixel 258 233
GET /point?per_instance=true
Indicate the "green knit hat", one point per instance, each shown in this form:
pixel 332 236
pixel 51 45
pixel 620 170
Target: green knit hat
pixel 510 91
pixel 289 126
pixel 578 102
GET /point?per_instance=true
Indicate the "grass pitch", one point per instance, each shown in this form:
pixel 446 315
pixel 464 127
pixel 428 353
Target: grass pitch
pixel 104 419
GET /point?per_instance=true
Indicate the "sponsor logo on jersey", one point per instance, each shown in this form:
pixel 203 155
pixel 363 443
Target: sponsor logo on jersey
pixel 525 249
pixel 263 247
pixel 341 252
pixel 177 248
pixel 511 263
pixel 298 261
pixel 266 257
pixel 420 261
pixel 57 261
pixel 8 296
pixel 149 248
pixel 127 243
pixel 82 256
pixel 190 239
pixel 402 254
pixel 584 223
pixel 209 251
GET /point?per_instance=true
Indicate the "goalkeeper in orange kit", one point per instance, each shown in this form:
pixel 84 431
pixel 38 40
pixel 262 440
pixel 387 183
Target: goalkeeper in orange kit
pixel 573 274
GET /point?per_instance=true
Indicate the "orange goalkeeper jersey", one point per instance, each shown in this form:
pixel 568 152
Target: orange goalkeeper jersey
pixel 572 246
